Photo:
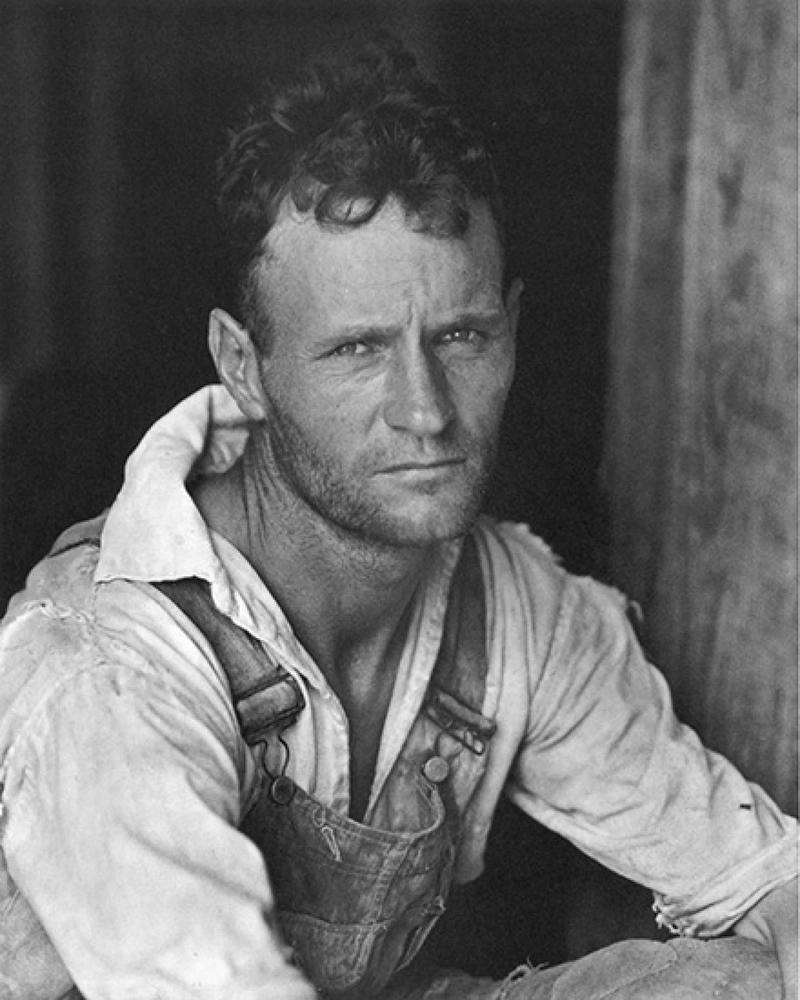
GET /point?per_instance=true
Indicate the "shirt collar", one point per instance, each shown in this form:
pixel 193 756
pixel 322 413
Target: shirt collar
pixel 154 531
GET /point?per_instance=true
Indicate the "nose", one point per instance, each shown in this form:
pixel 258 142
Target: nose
pixel 418 395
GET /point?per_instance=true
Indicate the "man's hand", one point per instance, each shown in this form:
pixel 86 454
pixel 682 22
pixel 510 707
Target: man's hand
pixel 773 922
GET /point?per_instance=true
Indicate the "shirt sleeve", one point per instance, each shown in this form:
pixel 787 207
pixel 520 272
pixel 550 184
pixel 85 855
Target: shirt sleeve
pixel 606 763
pixel 120 810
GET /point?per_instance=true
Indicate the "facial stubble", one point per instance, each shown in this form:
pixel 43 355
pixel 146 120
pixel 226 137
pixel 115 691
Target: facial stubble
pixel 342 497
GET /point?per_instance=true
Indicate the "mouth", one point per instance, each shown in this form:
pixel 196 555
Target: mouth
pixel 422 468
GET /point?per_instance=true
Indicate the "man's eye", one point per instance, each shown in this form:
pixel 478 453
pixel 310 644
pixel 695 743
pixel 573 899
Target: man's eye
pixel 352 349
pixel 465 336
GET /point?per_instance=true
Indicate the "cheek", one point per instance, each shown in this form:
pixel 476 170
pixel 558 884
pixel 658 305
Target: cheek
pixel 327 425
pixel 316 393
pixel 480 402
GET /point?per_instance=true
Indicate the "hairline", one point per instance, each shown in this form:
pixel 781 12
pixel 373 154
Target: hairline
pixel 253 294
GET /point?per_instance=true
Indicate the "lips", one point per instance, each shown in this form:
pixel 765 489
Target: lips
pixel 423 467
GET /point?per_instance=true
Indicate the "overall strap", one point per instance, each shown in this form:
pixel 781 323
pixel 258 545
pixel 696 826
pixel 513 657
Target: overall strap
pixel 264 693
pixel 82 533
pixel 458 683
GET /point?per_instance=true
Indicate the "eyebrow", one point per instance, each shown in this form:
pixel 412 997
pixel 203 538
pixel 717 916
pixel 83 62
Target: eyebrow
pixel 476 318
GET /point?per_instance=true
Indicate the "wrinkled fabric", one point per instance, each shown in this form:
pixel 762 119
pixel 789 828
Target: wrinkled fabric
pixel 728 969
pixel 125 777
pixel 684 969
pixel 354 903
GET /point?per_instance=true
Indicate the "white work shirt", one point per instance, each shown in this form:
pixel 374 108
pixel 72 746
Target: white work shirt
pixel 125 775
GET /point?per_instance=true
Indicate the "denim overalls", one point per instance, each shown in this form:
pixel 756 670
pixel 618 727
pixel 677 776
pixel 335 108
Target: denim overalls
pixel 356 902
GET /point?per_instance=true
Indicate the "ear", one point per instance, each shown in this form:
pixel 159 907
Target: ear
pixel 236 359
pixel 513 296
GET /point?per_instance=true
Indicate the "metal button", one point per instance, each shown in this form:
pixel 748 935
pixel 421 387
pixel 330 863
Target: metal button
pixel 436 769
pixel 282 790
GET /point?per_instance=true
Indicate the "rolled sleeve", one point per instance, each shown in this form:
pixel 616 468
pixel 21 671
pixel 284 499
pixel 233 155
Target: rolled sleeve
pixel 606 764
pixel 120 812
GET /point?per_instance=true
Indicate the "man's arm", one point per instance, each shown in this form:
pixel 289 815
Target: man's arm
pixel 606 763
pixel 773 922
pixel 120 807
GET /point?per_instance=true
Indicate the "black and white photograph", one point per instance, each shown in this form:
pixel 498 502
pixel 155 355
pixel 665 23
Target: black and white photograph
pixel 398 500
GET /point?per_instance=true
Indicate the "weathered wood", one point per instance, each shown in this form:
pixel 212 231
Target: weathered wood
pixel 646 293
pixel 702 442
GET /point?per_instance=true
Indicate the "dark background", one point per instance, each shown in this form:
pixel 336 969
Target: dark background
pixel 113 115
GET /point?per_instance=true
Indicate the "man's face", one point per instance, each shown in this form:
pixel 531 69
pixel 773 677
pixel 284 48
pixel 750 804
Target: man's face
pixel 391 356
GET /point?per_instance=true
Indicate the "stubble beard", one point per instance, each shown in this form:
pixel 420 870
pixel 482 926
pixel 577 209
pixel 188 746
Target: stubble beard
pixel 341 497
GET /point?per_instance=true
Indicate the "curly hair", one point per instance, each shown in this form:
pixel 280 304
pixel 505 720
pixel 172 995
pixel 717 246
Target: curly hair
pixel 340 140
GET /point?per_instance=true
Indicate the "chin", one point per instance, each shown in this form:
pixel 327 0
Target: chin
pixel 420 529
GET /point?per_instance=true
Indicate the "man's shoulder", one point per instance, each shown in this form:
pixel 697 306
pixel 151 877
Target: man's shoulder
pixel 64 577
pixel 83 534
pixel 524 580
pixel 57 628
pixel 531 559
pixel 525 577
pixel 514 544
pixel 68 632
pixel 46 635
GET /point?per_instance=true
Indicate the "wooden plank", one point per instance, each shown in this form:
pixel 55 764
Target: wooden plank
pixel 732 537
pixel 717 575
pixel 645 292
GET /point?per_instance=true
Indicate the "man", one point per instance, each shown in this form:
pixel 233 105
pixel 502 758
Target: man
pixel 257 718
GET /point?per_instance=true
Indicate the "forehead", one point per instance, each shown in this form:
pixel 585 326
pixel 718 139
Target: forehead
pixel 383 269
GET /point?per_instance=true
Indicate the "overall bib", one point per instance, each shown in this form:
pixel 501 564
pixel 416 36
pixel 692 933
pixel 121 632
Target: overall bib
pixel 356 902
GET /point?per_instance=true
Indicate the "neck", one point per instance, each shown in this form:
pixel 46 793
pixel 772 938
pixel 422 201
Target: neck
pixel 345 596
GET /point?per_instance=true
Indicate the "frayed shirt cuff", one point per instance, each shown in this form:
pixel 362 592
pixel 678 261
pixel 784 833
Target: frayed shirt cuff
pixel 719 905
